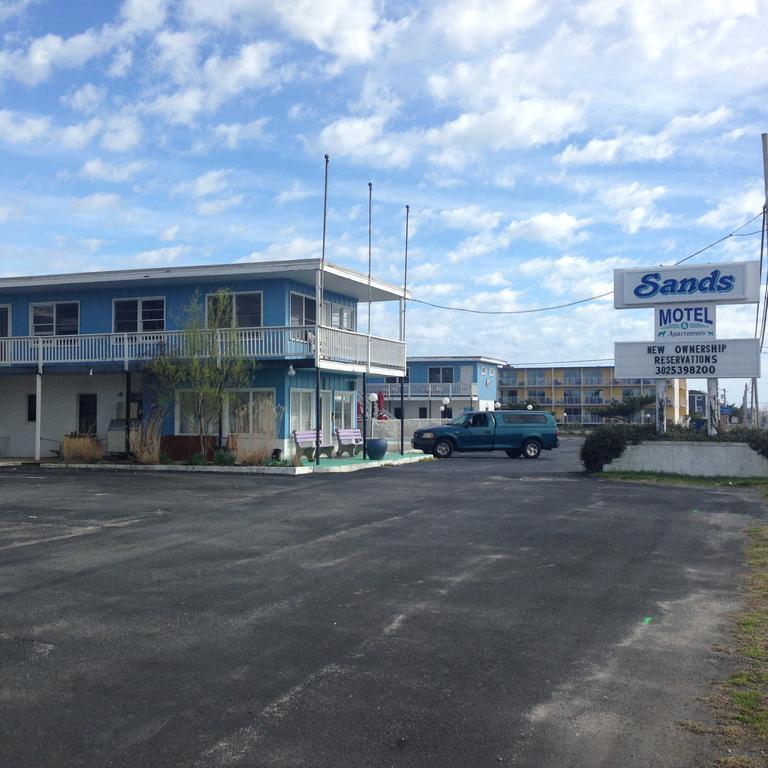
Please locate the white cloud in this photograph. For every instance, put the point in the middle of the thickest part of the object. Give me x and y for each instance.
(559, 229)
(471, 25)
(215, 207)
(735, 208)
(168, 235)
(347, 29)
(470, 217)
(92, 244)
(363, 139)
(298, 248)
(143, 15)
(15, 129)
(636, 206)
(123, 132)
(113, 172)
(8, 212)
(86, 99)
(629, 147)
(161, 255)
(79, 135)
(210, 183)
(233, 134)
(97, 202)
(571, 275)
(218, 80)
(121, 63)
(296, 192)
(9, 8)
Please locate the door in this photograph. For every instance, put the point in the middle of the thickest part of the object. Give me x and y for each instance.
(5, 332)
(478, 434)
(86, 415)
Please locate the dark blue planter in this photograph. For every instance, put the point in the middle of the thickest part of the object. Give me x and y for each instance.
(376, 448)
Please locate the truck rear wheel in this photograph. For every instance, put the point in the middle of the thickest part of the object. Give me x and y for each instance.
(531, 449)
(443, 449)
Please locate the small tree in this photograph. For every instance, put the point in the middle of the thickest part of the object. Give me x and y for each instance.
(208, 361)
(623, 410)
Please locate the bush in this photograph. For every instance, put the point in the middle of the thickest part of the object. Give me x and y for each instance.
(198, 459)
(223, 458)
(85, 448)
(258, 457)
(608, 443)
(145, 440)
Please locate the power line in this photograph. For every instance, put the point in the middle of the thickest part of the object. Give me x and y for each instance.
(578, 301)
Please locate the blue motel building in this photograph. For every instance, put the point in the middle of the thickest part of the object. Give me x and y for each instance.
(74, 349)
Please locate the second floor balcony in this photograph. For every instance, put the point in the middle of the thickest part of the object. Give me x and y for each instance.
(333, 348)
(422, 391)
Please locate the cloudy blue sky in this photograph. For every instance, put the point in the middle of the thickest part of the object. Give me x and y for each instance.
(539, 145)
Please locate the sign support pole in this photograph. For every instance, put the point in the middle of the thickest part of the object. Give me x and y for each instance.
(661, 405)
(713, 407)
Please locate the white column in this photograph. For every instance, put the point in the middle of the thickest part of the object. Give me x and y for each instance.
(713, 407)
(38, 414)
(661, 405)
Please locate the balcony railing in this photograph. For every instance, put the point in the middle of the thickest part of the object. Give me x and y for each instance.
(265, 343)
(422, 391)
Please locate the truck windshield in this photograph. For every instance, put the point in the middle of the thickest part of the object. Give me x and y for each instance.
(459, 420)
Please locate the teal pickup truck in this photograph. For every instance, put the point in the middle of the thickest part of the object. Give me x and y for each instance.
(518, 433)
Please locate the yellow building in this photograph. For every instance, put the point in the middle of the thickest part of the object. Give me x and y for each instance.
(570, 393)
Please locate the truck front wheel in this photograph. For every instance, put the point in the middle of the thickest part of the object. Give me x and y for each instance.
(531, 449)
(443, 449)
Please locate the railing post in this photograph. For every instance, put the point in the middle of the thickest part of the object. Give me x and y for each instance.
(125, 351)
(218, 347)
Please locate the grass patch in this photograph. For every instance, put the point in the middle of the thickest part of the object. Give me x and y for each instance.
(744, 700)
(662, 478)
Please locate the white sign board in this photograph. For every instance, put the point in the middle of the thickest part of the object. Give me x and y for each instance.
(723, 358)
(688, 322)
(728, 283)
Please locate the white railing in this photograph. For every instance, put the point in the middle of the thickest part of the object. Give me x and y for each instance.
(422, 391)
(266, 343)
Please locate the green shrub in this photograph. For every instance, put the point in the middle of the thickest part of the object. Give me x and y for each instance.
(224, 458)
(198, 460)
(608, 442)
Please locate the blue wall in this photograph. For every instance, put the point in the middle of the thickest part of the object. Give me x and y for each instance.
(96, 302)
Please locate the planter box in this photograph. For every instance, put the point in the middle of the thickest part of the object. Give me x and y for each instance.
(375, 448)
(691, 458)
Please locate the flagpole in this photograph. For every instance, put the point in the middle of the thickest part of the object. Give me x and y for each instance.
(402, 335)
(318, 319)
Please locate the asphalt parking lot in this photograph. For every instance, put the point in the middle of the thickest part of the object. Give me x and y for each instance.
(478, 611)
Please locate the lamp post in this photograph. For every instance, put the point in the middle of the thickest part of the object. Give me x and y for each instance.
(565, 421)
(496, 405)
(373, 398)
(444, 407)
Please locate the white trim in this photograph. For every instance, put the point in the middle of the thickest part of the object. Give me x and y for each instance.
(139, 322)
(34, 304)
(300, 269)
(234, 294)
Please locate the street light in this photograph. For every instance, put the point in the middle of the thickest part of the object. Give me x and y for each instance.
(565, 421)
(373, 398)
(496, 405)
(444, 407)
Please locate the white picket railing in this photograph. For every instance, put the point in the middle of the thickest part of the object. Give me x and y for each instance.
(421, 390)
(265, 343)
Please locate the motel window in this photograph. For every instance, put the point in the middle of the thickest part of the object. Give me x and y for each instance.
(56, 319)
(343, 410)
(32, 408)
(440, 375)
(339, 316)
(234, 310)
(186, 420)
(252, 412)
(422, 413)
(303, 310)
(302, 409)
(138, 315)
